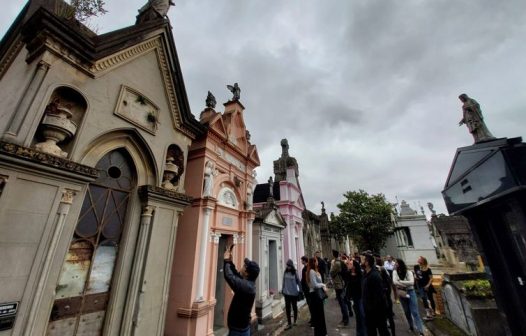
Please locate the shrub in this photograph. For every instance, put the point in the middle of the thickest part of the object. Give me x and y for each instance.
(477, 289)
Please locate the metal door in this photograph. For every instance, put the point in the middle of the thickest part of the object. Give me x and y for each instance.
(84, 286)
(219, 313)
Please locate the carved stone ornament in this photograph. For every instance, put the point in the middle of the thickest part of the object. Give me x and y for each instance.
(137, 109)
(214, 237)
(32, 155)
(57, 126)
(67, 196)
(147, 192)
(170, 172)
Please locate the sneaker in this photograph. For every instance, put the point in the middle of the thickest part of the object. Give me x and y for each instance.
(288, 327)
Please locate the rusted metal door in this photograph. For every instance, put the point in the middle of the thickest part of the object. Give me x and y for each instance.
(84, 286)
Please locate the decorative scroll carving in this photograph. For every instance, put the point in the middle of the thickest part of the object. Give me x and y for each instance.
(238, 238)
(32, 155)
(67, 196)
(214, 237)
(147, 210)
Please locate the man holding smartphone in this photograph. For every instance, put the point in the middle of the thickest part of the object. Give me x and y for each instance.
(244, 287)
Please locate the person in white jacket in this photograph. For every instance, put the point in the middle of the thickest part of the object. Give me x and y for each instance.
(404, 281)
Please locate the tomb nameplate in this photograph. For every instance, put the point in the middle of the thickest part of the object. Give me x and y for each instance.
(137, 109)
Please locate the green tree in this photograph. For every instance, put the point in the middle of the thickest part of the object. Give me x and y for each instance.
(82, 10)
(366, 219)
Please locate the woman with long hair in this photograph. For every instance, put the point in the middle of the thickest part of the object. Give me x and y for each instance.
(405, 283)
(424, 277)
(354, 293)
(314, 281)
(290, 290)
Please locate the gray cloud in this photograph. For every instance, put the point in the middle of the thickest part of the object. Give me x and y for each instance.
(365, 91)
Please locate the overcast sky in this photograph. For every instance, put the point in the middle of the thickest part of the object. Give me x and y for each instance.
(365, 91)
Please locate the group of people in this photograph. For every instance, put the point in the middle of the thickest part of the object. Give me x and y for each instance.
(364, 285)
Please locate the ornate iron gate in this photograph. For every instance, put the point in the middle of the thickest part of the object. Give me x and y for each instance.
(84, 286)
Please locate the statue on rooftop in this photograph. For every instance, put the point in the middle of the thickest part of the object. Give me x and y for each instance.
(236, 91)
(155, 9)
(210, 100)
(472, 117)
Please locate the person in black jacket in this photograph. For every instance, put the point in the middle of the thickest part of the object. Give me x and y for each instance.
(373, 299)
(322, 265)
(244, 288)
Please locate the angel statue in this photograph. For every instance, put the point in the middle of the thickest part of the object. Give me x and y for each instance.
(154, 9)
(236, 91)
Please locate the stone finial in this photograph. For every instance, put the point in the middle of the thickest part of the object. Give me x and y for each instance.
(57, 126)
(170, 173)
(210, 100)
(472, 117)
(236, 91)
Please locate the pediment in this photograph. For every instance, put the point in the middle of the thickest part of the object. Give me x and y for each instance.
(236, 130)
(274, 218)
(218, 126)
(41, 30)
(253, 154)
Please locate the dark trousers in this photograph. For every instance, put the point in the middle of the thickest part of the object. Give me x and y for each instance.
(291, 301)
(309, 304)
(390, 315)
(428, 295)
(340, 296)
(318, 315)
(375, 323)
(360, 318)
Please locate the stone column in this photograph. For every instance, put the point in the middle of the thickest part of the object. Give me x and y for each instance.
(202, 256)
(60, 220)
(136, 280)
(249, 239)
(28, 96)
(214, 257)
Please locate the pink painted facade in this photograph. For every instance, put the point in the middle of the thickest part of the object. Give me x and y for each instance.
(291, 206)
(220, 178)
(289, 199)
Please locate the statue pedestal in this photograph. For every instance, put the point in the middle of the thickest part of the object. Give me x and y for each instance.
(487, 185)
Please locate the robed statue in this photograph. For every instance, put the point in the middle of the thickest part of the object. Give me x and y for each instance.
(154, 9)
(472, 117)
